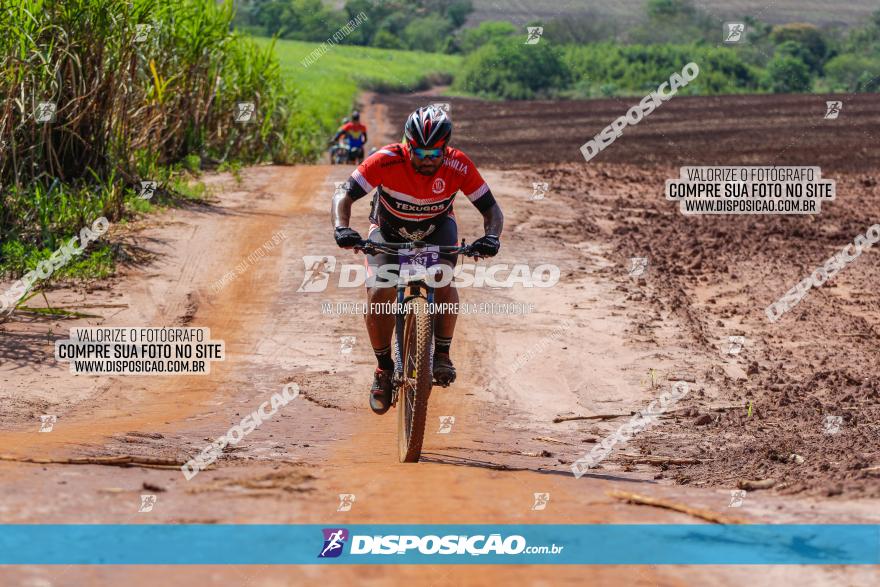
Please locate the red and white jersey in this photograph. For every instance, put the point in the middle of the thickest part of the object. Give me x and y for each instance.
(411, 204)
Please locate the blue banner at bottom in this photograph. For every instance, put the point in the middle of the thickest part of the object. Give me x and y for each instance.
(600, 544)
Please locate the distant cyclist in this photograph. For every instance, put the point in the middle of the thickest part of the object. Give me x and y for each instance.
(356, 135)
(416, 182)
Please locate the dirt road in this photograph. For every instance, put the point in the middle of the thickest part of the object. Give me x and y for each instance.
(583, 350)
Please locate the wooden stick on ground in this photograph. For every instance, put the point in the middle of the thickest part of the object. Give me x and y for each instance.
(753, 485)
(710, 409)
(550, 440)
(559, 419)
(120, 461)
(658, 460)
(707, 515)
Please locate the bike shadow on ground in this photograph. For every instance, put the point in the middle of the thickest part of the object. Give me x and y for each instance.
(445, 459)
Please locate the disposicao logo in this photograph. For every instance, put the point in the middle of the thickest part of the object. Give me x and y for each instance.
(334, 540)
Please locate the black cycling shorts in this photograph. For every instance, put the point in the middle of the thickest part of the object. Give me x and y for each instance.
(446, 234)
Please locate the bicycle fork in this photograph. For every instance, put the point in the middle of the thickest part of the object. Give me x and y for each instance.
(404, 296)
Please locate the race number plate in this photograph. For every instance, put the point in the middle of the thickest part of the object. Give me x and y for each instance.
(416, 264)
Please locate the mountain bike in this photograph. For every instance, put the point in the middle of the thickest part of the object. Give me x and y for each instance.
(339, 154)
(413, 337)
(342, 153)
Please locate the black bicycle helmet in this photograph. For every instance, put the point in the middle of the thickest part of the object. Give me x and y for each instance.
(355, 116)
(427, 128)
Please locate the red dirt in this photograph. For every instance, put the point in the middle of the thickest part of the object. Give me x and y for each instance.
(718, 273)
(719, 130)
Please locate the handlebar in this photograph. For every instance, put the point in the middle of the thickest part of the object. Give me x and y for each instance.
(371, 247)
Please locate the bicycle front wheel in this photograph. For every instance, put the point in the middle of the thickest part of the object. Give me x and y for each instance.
(415, 389)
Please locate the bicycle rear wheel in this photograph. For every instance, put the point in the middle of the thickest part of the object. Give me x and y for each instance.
(415, 388)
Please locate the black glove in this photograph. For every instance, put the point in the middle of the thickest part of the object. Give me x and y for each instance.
(346, 237)
(486, 246)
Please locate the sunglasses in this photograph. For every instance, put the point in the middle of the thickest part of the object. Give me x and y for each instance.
(428, 153)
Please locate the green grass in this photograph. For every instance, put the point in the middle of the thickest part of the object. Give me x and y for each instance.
(96, 262)
(327, 89)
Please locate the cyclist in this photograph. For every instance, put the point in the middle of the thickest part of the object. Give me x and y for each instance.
(416, 182)
(356, 135)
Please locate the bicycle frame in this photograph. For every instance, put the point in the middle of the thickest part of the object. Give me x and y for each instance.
(414, 325)
(408, 290)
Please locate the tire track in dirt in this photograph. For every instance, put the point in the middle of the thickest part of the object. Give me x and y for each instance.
(174, 399)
